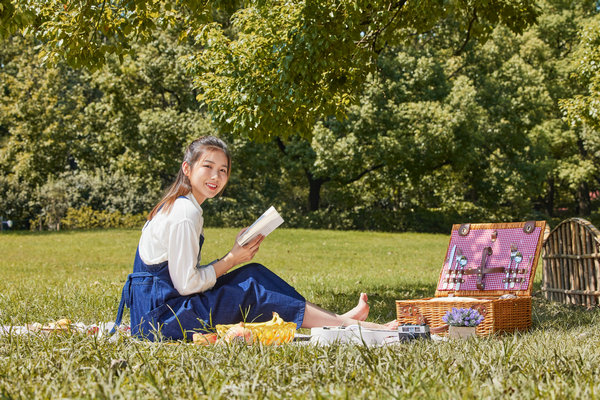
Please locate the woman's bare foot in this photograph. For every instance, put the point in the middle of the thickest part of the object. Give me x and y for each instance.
(315, 316)
(361, 311)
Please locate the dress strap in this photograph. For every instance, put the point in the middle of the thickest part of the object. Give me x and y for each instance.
(125, 297)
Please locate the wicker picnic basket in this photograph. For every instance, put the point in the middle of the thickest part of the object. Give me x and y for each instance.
(489, 280)
(273, 332)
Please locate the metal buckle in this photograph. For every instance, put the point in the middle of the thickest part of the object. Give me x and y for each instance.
(529, 227)
(464, 229)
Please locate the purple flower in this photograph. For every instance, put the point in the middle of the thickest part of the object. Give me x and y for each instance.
(462, 317)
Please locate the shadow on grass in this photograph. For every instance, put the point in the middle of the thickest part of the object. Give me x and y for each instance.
(548, 314)
(553, 315)
(382, 299)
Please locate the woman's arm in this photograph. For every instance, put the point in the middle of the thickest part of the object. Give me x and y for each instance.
(182, 253)
(187, 276)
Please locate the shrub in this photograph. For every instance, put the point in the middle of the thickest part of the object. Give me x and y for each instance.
(88, 218)
(121, 198)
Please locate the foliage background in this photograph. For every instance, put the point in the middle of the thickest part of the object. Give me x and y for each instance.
(440, 128)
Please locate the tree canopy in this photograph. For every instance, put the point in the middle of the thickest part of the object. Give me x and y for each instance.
(264, 69)
(584, 107)
(438, 128)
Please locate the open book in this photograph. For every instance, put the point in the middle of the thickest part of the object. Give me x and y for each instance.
(264, 225)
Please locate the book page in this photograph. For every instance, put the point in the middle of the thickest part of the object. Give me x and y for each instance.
(264, 225)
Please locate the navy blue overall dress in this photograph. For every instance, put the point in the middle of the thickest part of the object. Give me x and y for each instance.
(250, 293)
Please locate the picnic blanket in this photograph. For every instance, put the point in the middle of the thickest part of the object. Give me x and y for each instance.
(63, 325)
(104, 329)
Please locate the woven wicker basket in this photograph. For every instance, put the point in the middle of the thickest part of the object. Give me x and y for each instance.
(273, 332)
(500, 314)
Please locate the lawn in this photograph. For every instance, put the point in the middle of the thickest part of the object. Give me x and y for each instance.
(79, 275)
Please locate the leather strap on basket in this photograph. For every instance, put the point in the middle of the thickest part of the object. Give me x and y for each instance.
(494, 270)
(482, 270)
(439, 329)
(487, 251)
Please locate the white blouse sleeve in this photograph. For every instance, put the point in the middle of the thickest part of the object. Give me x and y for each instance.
(187, 276)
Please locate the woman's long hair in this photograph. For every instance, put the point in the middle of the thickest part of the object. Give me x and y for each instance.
(182, 186)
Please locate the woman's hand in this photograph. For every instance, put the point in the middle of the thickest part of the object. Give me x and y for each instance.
(238, 254)
(245, 253)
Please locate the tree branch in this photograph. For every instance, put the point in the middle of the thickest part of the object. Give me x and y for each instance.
(280, 145)
(372, 37)
(363, 173)
(471, 22)
(456, 71)
(98, 21)
(440, 165)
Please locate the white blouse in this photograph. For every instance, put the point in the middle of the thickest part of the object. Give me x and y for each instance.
(175, 237)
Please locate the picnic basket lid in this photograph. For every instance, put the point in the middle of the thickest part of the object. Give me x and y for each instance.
(491, 251)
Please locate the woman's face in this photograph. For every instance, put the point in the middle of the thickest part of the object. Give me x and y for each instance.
(208, 176)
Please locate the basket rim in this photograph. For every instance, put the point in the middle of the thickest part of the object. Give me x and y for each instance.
(479, 300)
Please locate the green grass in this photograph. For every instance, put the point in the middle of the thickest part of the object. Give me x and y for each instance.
(78, 275)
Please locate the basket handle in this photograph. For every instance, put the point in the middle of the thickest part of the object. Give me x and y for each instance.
(439, 329)
(480, 308)
(413, 311)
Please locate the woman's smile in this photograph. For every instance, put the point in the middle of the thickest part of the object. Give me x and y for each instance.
(211, 186)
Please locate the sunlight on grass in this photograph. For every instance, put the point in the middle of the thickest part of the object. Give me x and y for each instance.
(79, 275)
(81, 269)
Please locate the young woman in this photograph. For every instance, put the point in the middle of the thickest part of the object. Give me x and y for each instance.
(171, 292)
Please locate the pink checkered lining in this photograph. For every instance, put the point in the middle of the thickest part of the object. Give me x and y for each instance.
(472, 247)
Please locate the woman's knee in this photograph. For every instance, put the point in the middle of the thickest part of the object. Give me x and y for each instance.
(253, 270)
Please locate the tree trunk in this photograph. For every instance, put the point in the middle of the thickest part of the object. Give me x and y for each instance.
(583, 200)
(583, 193)
(314, 191)
(314, 184)
(550, 198)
